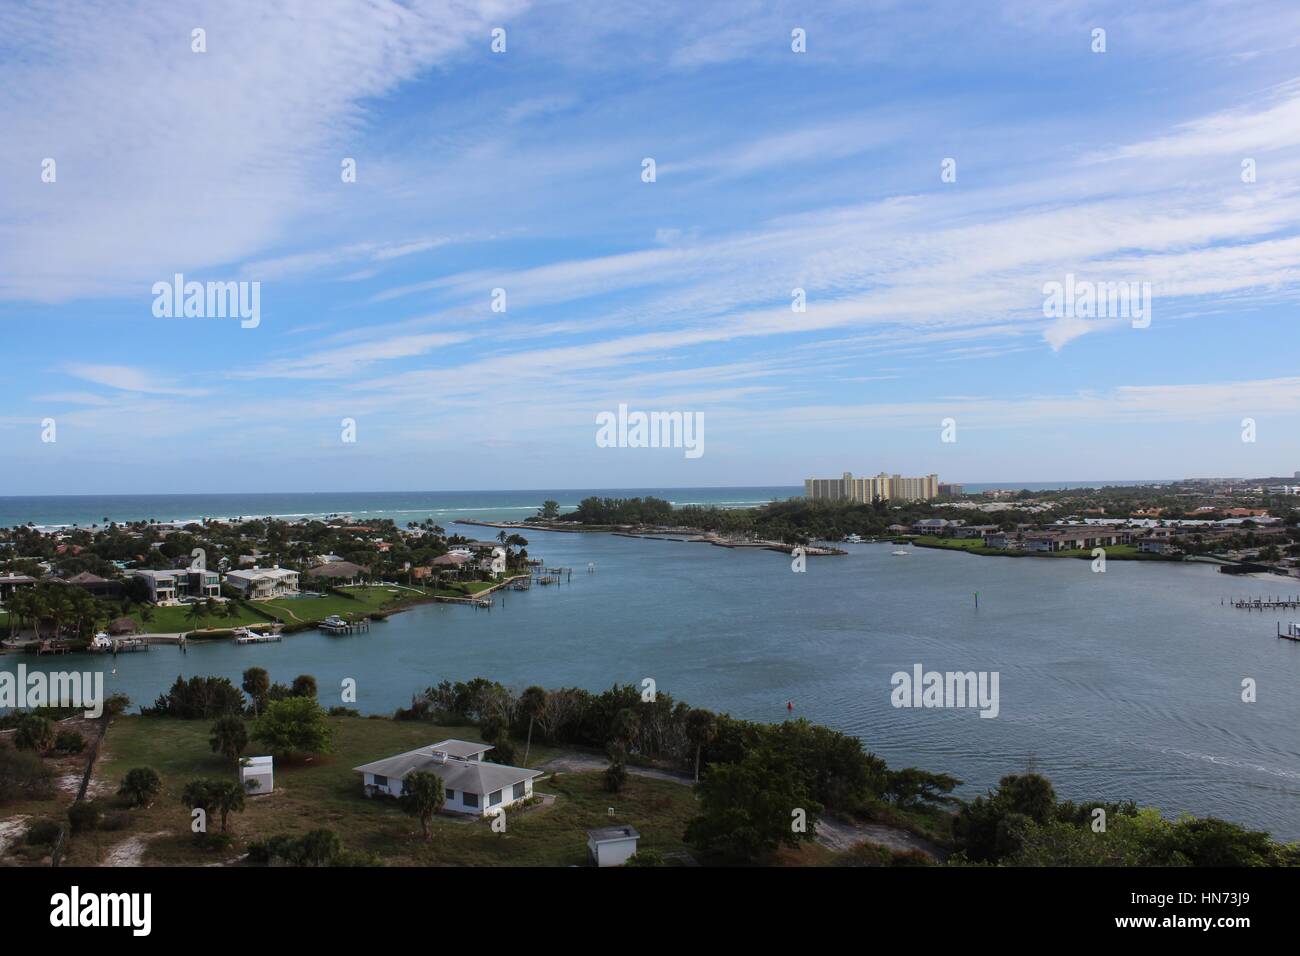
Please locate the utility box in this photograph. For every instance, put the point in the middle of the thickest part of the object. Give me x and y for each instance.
(257, 775)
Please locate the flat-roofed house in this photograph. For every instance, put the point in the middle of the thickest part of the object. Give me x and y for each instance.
(472, 785)
(263, 584)
(168, 587)
(163, 587)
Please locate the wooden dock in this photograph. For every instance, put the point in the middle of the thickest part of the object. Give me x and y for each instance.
(347, 627)
(1267, 604)
(272, 638)
(1292, 632)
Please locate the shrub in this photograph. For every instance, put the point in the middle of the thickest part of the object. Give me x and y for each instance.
(23, 775)
(140, 786)
(34, 733)
(42, 832)
(69, 742)
(83, 816)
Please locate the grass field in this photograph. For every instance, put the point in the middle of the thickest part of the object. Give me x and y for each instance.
(364, 600)
(325, 792)
(1114, 552)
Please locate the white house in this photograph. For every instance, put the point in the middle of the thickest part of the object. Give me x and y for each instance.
(262, 584)
(611, 846)
(472, 785)
(257, 775)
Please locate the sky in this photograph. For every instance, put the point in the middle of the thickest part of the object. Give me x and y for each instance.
(922, 171)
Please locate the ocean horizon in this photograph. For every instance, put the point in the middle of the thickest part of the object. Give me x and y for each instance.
(58, 511)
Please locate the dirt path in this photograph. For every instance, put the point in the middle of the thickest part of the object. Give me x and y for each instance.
(130, 852)
(11, 831)
(839, 835)
(587, 763)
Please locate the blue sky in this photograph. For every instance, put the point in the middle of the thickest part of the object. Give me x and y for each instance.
(522, 170)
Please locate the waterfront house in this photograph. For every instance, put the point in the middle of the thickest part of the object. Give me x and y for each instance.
(611, 846)
(338, 573)
(9, 583)
(263, 584)
(169, 587)
(472, 785)
(95, 585)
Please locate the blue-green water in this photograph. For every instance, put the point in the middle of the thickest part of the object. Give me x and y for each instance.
(1119, 685)
(399, 506)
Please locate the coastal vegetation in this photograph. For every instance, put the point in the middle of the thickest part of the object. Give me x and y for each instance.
(763, 794)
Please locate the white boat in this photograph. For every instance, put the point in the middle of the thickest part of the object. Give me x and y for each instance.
(101, 642)
(899, 552)
(334, 621)
(854, 539)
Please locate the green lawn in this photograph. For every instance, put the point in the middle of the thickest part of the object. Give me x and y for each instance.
(174, 620)
(363, 600)
(1115, 552)
(325, 792)
(171, 620)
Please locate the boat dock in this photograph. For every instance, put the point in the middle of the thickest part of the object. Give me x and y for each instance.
(251, 638)
(1292, 632)
(343, 627)
(1267, 604)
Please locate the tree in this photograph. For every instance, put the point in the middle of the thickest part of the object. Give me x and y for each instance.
(532, 702)
(304, 685)
(229, 799)
(257, 685)
(751, 807)
(229, 737)
(422, 796)
(701, 729)
(294, 725)
(222, 797)
(34, 733)
(140, 786)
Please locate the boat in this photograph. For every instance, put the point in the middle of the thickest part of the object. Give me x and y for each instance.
(334, 621)
(100, 642)
(854, 539)
(899, 552)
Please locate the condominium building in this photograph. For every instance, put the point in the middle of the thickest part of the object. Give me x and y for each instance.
(887, 487)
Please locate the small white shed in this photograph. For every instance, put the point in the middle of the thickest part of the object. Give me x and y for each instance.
(611, 846)
(257, 775)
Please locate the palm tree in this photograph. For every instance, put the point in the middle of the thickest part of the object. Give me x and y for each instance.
(701, 730)
(531, 702)
(20, 608)
(229, 737)
(140, 785)
(195, 612)
(422, 796)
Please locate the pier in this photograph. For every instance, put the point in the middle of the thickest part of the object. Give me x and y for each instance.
(1267, 604)
(250, 638)
(343, 627)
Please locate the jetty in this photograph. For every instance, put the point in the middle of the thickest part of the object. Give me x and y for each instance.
(1267, 604)
(1292, 632)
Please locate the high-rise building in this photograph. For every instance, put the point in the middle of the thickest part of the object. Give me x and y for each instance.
(887, 487)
